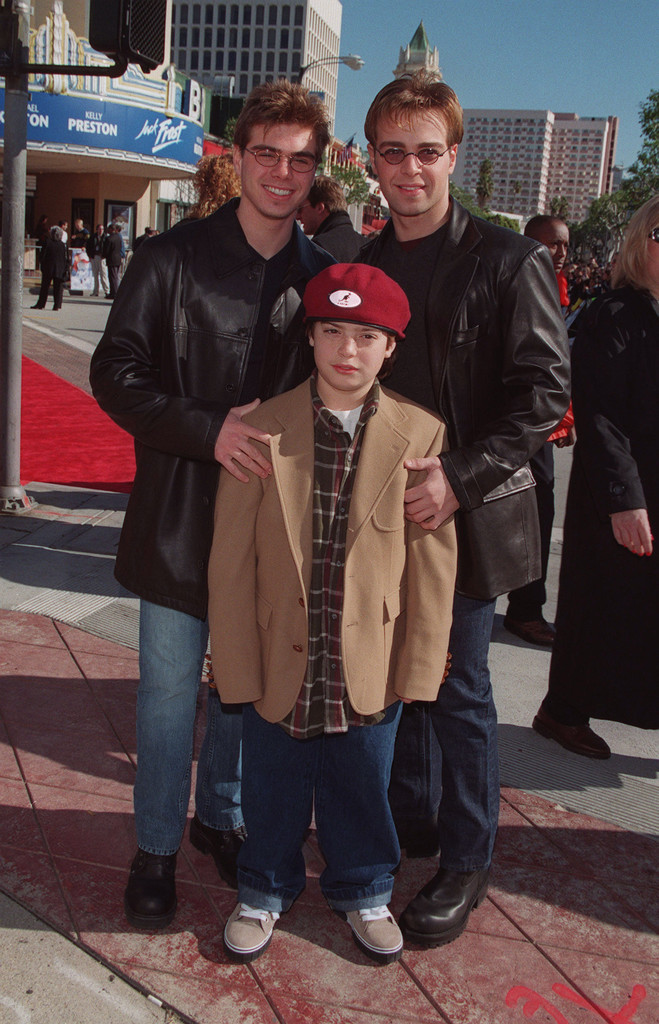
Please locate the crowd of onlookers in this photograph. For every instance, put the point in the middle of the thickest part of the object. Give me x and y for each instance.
(587, 279)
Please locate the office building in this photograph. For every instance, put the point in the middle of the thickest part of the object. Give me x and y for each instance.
(231, 47)
(537, 156)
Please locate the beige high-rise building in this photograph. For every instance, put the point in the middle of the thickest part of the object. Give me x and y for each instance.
(538, 156)
(231, 47)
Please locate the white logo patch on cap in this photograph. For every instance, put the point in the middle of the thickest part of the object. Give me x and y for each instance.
(344, 299)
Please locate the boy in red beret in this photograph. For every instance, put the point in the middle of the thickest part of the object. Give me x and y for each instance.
(320, 619)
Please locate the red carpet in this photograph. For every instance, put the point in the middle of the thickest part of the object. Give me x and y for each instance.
(67, 439)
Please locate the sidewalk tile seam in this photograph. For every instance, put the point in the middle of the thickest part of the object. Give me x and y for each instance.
(424, 991)
(547, 947)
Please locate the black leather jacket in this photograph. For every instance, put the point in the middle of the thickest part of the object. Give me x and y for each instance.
(337, 235)
(168, 369)
(500, 372)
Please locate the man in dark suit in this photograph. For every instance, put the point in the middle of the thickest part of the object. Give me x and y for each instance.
(53, 268)
(324, 216)
(113, 252)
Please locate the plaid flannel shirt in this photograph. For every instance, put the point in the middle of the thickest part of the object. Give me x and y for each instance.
(323, 705)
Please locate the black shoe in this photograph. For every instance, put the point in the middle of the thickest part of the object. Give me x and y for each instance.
(580, 739)
(441, 910)
(536, 631)
(150, 897)
(419, 837)
(37, 306)
(223, 845)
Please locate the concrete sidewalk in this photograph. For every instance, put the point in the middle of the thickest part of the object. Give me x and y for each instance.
(567, 934)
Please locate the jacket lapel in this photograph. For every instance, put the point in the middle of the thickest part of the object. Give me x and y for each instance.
(383, 449)
(292, 457)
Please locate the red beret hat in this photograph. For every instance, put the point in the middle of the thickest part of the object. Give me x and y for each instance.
(358, 294)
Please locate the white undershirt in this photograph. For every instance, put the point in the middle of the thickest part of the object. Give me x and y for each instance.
(349, 418)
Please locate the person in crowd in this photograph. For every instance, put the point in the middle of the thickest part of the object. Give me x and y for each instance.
(64, 228)
(42, 230)
(525, 616)
(207, 321)
(80, 235)
(148, 233)
(41, 233)
(54, 263)
(605, 662)
(215, 182)
(95, 249)
(324, 216)
(113, 253)
(325, 612)
(486, 348)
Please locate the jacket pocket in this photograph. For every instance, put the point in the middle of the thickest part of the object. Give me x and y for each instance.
(521, 480)
(389, 513)
(263, 612)
(395, 603)
(466, 336)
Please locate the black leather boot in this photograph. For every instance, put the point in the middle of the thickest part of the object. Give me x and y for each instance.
(223, 845)
(150, 897)
(441, 910)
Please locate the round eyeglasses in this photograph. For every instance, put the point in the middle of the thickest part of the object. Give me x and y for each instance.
(654, 235)
(267, 157)
(426, 155)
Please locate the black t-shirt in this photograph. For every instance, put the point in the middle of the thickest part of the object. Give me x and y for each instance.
(410, 265)
(274, 273)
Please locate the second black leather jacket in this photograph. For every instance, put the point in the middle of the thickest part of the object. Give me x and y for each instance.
(168, 369)
(500, 373)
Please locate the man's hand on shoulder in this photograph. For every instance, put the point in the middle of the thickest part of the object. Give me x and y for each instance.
(432, 502)
(233, 444)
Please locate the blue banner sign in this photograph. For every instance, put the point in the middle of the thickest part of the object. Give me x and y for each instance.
(105, 125)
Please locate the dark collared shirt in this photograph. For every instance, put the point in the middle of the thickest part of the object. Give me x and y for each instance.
(322, 705)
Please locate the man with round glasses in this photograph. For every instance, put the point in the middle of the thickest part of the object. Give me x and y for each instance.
(486, 348)
(207, 321)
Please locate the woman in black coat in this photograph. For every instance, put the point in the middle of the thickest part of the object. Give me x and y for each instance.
(53, 268)
(605, 661)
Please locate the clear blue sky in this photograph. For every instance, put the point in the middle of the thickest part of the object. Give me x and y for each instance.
(594, 58)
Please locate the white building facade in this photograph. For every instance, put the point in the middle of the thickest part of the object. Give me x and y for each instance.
(538, 155)
(231, 47)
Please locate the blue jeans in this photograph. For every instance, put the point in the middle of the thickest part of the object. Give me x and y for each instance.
(347, 774)
(172, 650)
(446, 759)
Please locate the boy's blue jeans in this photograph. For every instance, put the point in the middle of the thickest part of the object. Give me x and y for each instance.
(347, 775)
(172, 650)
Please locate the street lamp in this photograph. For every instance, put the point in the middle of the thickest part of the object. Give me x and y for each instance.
(351, 60)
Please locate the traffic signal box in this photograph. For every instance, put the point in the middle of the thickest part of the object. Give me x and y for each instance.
(134, 29)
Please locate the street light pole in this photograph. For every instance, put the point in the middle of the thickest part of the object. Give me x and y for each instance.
(351, 60)
(13, 497)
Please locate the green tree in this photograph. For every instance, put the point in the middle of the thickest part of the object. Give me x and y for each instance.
(485, 184)
(228, 130)
(559, 207)
(465, 199)
(354, 183)
(602, 230)
(469, 202)
(642, 181)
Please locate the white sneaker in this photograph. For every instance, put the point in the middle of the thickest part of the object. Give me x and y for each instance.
(247, 933)
(376, 933)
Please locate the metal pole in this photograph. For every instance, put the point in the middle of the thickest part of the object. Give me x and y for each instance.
(12, 496)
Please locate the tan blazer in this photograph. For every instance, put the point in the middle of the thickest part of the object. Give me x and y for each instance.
(399, 578)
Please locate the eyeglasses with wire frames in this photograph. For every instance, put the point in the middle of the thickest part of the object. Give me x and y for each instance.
(268, 157)
(425, 155)
(654, 235)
